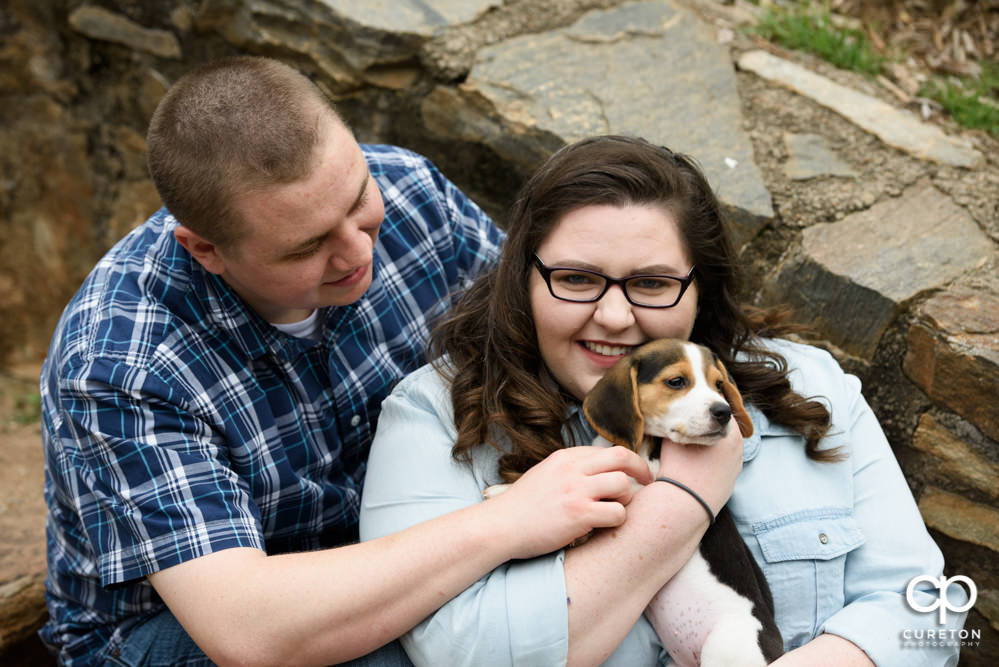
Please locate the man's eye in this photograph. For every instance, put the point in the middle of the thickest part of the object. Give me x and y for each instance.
(308, 252)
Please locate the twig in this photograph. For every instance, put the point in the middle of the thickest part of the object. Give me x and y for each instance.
(893, 89)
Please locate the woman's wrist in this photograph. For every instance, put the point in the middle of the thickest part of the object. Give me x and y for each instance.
(694, 495)
(677, 509)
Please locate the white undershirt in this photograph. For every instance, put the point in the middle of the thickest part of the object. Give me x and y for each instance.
(307, 328)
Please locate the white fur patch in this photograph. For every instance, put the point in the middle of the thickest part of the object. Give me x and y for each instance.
(703, 622)
(688, 418)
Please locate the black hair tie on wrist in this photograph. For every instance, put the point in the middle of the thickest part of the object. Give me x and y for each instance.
(707, 508)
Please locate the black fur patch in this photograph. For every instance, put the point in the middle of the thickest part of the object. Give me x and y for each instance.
(730, 560)
(650, 364)
(611, 416)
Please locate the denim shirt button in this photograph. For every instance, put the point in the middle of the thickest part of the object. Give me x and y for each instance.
(355, 420)
(823, 538)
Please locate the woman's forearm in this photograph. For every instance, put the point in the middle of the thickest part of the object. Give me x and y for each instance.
(826, 649)
(621, 569)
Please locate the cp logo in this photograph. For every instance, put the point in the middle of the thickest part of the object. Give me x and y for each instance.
(941, 603)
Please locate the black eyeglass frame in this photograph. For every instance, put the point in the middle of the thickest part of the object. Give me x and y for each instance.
(546, 274)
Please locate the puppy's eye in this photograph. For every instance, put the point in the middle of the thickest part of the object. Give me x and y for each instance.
(676, 383)
(718, 385)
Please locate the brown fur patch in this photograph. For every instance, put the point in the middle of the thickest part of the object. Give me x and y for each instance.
(655, 396)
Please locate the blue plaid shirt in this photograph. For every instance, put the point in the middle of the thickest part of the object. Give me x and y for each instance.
(178, 423)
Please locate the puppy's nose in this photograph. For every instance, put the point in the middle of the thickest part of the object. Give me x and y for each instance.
(721, 412)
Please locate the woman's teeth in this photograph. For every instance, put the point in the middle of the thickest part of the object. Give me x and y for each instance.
(607, 350)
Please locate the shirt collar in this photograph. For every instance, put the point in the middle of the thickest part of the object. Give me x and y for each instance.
(249, 332)
(762, 426)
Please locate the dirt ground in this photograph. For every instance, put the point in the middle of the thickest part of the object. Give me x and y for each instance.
(22, 505)
(21, 463)
(21, 453)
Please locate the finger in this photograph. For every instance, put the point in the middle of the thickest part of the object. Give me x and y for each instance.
(614, 485)
(606, 514)
(618, 458)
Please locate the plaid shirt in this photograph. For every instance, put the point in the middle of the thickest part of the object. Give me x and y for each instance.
(178, 423)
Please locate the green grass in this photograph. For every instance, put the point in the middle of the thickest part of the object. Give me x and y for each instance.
(804, 27)
(962, 98)
(28, 409)
(807, 29)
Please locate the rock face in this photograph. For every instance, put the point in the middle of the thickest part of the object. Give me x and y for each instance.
(955, 459)
(649, 69)
(98, 23)
(47, 216)
(960, 518)
(811, 157)
(894, 263)
(898, 129)
(953, 354)
(855, 275)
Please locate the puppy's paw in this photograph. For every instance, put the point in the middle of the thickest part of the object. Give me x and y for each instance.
(733, 642)
(494, 490)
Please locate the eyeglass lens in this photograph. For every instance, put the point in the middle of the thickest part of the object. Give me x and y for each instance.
(656, 291)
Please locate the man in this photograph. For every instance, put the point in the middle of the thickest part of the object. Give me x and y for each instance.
(210, 393)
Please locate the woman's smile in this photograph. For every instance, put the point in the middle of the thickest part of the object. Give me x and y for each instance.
(604, 354)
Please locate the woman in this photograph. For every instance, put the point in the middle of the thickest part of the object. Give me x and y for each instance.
(820, 500)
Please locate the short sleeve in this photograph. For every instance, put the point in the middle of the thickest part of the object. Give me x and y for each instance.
(151, 483)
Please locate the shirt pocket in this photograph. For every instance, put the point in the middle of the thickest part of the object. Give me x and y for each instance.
(804, 559)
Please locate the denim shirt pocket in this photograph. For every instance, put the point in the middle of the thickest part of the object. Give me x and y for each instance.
(804, 563)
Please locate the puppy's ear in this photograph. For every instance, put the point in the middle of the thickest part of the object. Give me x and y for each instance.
(734, 398)
(612, 406)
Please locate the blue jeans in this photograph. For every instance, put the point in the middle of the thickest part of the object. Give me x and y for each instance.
(162, 642)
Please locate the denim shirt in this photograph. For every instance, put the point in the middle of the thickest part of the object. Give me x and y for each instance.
(838, 542)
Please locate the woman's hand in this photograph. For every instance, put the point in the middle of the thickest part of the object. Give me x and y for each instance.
(710, 470)
(567, 495)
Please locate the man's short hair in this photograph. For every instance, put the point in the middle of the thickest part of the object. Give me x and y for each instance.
(229, 127)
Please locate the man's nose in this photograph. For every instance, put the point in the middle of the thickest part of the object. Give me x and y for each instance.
(353, 249)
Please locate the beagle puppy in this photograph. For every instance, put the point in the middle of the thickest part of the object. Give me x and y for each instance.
(717, 610)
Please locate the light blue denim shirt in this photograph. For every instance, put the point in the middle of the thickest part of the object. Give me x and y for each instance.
(838, 542)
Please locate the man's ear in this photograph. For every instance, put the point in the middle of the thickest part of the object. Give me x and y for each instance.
(203, 250)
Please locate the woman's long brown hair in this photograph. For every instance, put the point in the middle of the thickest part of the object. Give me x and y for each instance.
(502, 392)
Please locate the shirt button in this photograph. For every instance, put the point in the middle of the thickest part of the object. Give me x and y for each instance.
(823, 538)
(355, 420)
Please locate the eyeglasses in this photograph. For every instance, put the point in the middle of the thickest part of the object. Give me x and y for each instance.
(584, 286)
